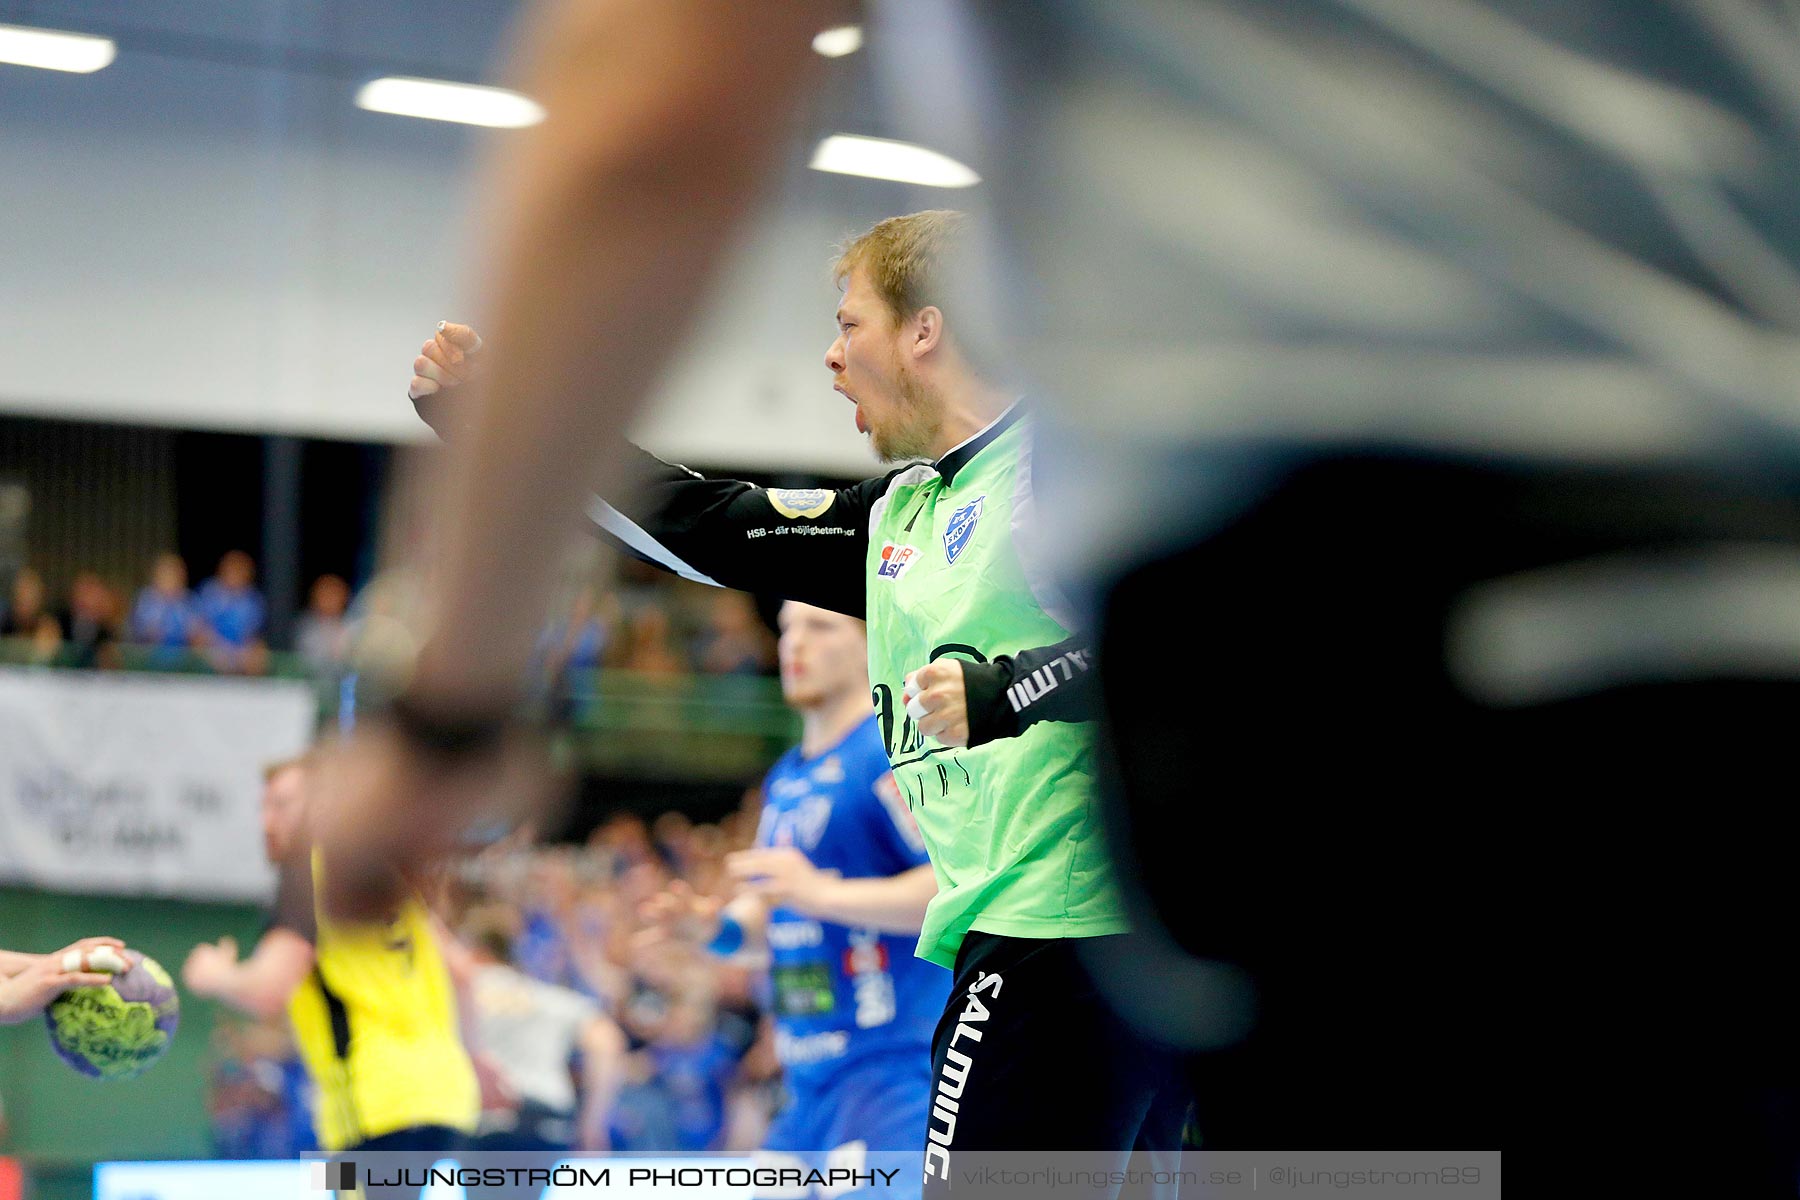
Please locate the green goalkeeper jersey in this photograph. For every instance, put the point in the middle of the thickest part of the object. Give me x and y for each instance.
(937, 559)
(1013, 826)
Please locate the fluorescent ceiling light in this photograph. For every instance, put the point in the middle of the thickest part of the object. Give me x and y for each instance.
(835, 43)
(879, 158)
(54, 50)
(439, 100)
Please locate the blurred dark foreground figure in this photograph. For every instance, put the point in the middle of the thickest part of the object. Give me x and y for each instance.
(1472, 779)
(1431, 451)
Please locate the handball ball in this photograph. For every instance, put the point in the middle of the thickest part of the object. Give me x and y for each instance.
(117, 1030)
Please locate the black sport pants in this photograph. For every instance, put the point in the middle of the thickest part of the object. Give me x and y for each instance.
(1029, 1057)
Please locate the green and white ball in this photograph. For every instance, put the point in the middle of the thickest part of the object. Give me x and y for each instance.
(118, 1030)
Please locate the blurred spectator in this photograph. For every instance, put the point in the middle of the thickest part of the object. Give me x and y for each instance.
(650, 644)
(231, 613)
(258, 1094)
(569, 651)
(163, 616)
(574, 916)
(735, 641)
(600, 920)
(28, 608)
(46, 639)
(675, 1099)
(32, 632)
(674, 838)
(756, 1093)
(323, 637)
(532, 1031)
(93, 627)
(637, 584)
(541, 945)
(694, 1056)
(643, 1118)
(577, 642)
(624, 840)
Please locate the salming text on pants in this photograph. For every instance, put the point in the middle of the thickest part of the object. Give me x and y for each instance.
(1028, 1057)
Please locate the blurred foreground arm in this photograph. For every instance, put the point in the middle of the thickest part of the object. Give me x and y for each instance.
(615, 212)
(606, 226)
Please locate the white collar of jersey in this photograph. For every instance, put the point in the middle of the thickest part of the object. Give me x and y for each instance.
(952, 460)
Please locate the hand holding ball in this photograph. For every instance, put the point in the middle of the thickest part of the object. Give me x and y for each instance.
(120, 1029)
(100, 958)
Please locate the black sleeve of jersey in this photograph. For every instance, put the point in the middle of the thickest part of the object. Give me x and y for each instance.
(810, 546)
(1013, 692)
(294, 896)
(727, 531)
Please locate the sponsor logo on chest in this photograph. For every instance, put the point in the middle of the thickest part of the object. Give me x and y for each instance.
(795, 935)
(794, 815)
(895, 560)
(803, 824)
(866, 963)
(810, 1048)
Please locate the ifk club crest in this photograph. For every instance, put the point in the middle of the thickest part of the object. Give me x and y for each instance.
(962, 528)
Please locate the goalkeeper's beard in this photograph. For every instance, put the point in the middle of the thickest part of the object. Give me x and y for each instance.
(916, 421)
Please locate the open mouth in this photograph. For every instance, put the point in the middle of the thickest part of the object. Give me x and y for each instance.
(862, 426)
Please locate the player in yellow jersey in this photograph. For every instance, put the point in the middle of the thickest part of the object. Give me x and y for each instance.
(372, 1004)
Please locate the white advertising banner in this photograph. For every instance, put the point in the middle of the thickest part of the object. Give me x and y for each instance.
(142, 784)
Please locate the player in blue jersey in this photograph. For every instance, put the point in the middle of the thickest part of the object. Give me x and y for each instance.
(836, 891)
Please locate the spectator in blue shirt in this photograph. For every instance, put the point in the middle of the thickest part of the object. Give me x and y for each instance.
(231, 613)
(569, 652)
(163, 615)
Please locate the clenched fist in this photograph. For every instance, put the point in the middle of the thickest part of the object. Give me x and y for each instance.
(449, 359)
(938, 701)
